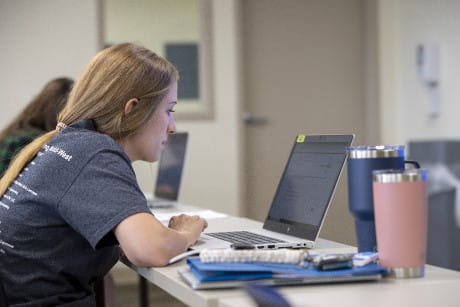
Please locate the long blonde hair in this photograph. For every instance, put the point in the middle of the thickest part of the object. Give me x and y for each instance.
(114, 76)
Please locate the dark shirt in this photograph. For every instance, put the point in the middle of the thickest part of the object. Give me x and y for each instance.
(57, 218)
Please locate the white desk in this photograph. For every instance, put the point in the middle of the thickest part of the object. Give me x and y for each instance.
(439, 287)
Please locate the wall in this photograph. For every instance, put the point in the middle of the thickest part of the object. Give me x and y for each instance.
(214, 176)
(212, 168)
(44, 39)
(404, 100)
(154, 24)
(151, 22)
(41, 40)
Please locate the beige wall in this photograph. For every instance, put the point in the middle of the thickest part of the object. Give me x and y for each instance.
(46, 38)
(404, 100)
(153, 23)
(212, 172)
(41, 40)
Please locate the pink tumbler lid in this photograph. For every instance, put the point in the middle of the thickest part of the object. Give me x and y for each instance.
(396, 175)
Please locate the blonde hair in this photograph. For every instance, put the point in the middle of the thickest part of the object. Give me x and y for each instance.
(114, 76)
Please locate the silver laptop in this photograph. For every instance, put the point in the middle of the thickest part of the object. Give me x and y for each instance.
(170, 167)
(301, 200)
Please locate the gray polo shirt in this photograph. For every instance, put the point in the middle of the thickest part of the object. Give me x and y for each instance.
(56, 219)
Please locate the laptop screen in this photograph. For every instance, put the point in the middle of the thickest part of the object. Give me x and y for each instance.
(307, 185)
(170, 167)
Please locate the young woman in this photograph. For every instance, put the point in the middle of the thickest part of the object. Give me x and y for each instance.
(70, 198)
(38, 117)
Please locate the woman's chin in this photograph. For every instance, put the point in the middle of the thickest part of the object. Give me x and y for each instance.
(153, 158)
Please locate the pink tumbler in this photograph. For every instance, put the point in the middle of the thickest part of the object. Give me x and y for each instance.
(400, 208)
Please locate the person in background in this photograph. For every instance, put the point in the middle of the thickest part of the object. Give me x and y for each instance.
(38, 117)
(70, 202)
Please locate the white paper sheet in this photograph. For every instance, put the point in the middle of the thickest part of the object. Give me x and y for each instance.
(206, 214)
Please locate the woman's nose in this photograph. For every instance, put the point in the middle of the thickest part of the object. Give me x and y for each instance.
(172, 126)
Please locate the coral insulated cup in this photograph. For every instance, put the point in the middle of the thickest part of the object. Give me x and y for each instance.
(400, 209)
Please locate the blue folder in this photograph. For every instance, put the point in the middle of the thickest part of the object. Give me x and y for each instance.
(239, 271)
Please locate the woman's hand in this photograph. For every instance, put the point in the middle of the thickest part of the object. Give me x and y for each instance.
(189, 225)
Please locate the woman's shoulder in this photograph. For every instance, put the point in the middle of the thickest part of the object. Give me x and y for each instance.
(83, 138)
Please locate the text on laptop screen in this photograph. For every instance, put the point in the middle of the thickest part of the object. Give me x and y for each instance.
(308, 181)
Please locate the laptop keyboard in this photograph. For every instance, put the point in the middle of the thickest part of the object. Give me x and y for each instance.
(243, 237)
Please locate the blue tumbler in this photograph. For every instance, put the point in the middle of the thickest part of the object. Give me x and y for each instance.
(362, 160)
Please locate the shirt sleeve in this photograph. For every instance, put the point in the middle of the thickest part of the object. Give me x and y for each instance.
(101, 196)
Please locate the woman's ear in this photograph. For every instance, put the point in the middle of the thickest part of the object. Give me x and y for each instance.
(130, 105)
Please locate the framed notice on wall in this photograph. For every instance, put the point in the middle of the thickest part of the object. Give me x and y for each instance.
(188, 47)
(185, 57)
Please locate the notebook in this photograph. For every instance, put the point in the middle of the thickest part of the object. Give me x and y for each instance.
(170, 167)
(201, 275)
(196, 284)
(301, 201)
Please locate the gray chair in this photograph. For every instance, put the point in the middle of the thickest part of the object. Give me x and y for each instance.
(443, 247)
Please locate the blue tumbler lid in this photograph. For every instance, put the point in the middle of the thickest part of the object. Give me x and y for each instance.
(379, 151)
